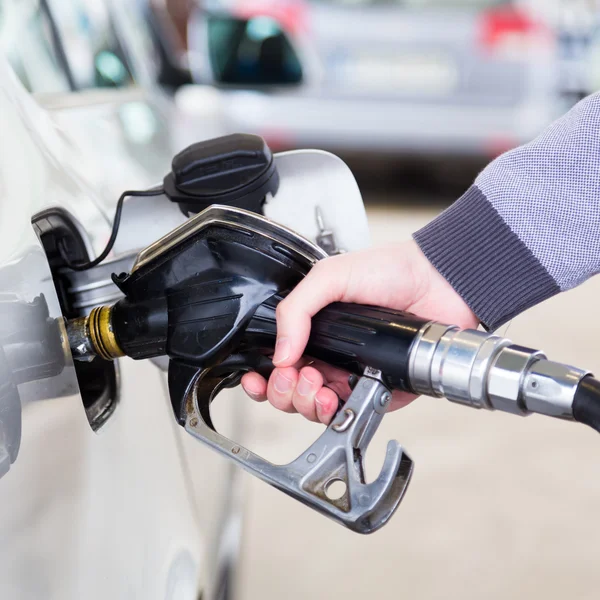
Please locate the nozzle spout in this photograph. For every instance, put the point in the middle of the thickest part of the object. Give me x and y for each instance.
(93, 336)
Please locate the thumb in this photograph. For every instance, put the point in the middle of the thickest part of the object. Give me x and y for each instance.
(325, 283)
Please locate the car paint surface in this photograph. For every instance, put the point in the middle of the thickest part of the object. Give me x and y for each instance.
(85, 514)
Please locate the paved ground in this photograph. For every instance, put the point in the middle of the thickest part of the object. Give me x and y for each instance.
(499, 507)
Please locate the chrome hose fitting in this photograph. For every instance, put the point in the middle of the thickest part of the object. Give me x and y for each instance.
(93, 336)
(483, 370)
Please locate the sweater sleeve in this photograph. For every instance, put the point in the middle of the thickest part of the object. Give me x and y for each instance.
(529, 227)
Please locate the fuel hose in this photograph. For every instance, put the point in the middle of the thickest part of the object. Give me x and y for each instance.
(586, 403)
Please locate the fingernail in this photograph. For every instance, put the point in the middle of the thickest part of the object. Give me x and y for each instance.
(282, 384)
(282, 350)
(252, 394)
(319, 408)
(305, 386)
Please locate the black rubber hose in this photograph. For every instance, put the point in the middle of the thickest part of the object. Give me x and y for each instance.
(113, 235)
(586, 403)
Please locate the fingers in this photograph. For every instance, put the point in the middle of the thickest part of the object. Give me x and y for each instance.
(326, 403)
(302, 391)
(292, 391)
(255, 386)
(324, 284)
(280, 389)
(310, 381)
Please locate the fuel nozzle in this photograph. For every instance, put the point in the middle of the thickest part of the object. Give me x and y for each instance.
(206, 294)
(468, 367)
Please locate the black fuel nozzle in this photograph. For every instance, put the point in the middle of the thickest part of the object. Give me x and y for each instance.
(206, 295)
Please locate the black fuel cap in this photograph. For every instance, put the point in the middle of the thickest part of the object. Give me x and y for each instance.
(234, 170)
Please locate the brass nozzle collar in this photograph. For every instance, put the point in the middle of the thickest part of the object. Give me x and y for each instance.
(101, 333)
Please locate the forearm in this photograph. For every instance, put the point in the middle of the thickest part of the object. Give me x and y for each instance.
(529, 227)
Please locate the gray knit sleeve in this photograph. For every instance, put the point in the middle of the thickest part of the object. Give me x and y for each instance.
(529, 227)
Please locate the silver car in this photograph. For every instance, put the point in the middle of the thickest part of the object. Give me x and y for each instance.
(470, 77)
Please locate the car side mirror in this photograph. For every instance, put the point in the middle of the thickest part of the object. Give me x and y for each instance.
(246, 52)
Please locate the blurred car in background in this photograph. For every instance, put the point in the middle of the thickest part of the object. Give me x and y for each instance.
(424, 77)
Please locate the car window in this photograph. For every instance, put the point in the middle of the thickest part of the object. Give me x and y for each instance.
(252, 51)
(26, 41)
(92, 48)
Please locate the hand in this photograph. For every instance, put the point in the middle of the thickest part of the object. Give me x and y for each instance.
(397, 276)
